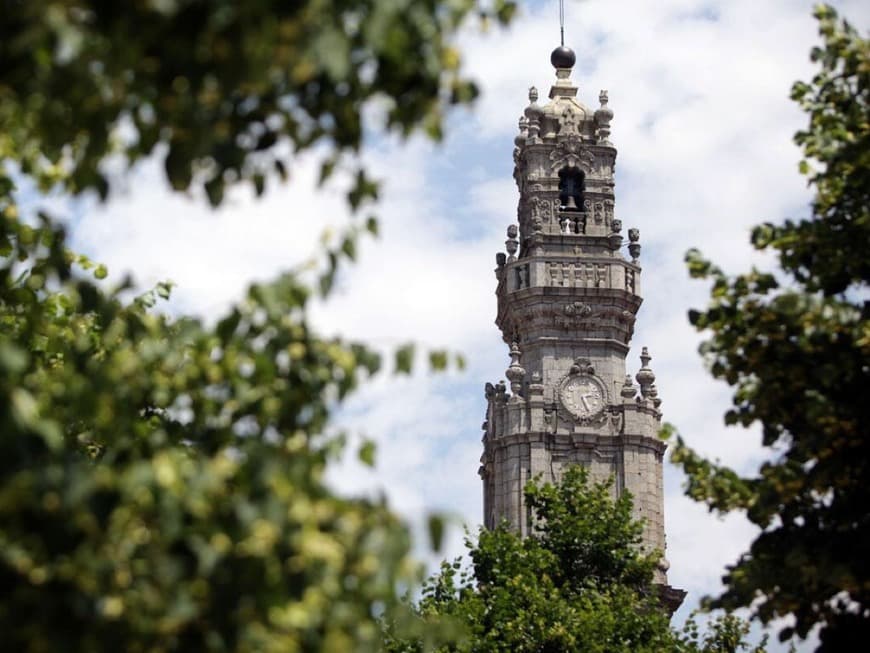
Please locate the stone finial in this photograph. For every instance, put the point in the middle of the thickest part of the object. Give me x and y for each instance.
(563, 58)
(633, 244)
(523, 125)
(534, 111)
(515, 372)
(501, 392)
(654, 395)
(500, 259)
(628, 390)
(645, 358)
(533, 114)
(645, 376)
(614, 238)
(511, 243)
(603, 116)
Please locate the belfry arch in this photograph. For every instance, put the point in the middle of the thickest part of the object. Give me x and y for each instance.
(572, 182)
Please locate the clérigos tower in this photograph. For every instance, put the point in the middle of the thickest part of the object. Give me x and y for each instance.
(568, 295)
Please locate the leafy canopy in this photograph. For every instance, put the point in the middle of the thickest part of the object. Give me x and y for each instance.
(796, 347)
(578, 582)
(232, 91)
(161, 483)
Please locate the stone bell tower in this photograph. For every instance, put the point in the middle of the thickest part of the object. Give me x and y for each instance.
(568, 293)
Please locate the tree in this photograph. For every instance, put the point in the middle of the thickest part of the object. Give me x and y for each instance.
(579, 582)
(725, 634)
(230, 91)
(161, 481)
(795, 344)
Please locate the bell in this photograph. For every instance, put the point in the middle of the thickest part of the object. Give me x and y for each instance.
(570, 204)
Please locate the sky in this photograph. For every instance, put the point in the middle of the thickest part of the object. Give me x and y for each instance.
(703, 126)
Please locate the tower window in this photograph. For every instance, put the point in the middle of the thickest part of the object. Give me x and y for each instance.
(571, 182)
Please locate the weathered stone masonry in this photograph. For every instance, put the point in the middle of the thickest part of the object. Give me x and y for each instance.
(567, 301)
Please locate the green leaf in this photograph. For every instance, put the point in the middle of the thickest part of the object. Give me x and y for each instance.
(259, 184)
(226, 328)
(436, 525)
(367, 453)
(326, 170)
(214, 189)
(281, 169)
(348, 247)
(405, 358)
(438, 360)
(164, 289)
(372, 225)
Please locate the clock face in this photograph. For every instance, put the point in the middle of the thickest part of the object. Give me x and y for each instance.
(582, 396)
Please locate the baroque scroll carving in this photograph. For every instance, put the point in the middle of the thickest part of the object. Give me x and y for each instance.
(570, 153)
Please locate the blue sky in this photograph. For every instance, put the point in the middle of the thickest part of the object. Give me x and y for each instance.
(703, 126)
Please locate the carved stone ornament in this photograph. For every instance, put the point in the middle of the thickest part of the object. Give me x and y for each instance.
(583, 395)
(569, 121)
(579, 309)
(570, 153)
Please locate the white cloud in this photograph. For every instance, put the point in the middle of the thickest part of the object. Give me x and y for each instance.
(703, 125)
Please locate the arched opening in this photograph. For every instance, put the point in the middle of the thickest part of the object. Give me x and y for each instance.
(571, 182)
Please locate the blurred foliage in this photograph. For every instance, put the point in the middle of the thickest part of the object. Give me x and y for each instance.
(232, 90)
(796, 346)
(162, 481)
(577, 583)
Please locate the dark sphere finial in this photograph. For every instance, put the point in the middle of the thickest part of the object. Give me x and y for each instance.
(563, 57)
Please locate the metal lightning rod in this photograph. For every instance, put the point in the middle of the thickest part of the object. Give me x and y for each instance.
(562, 21)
